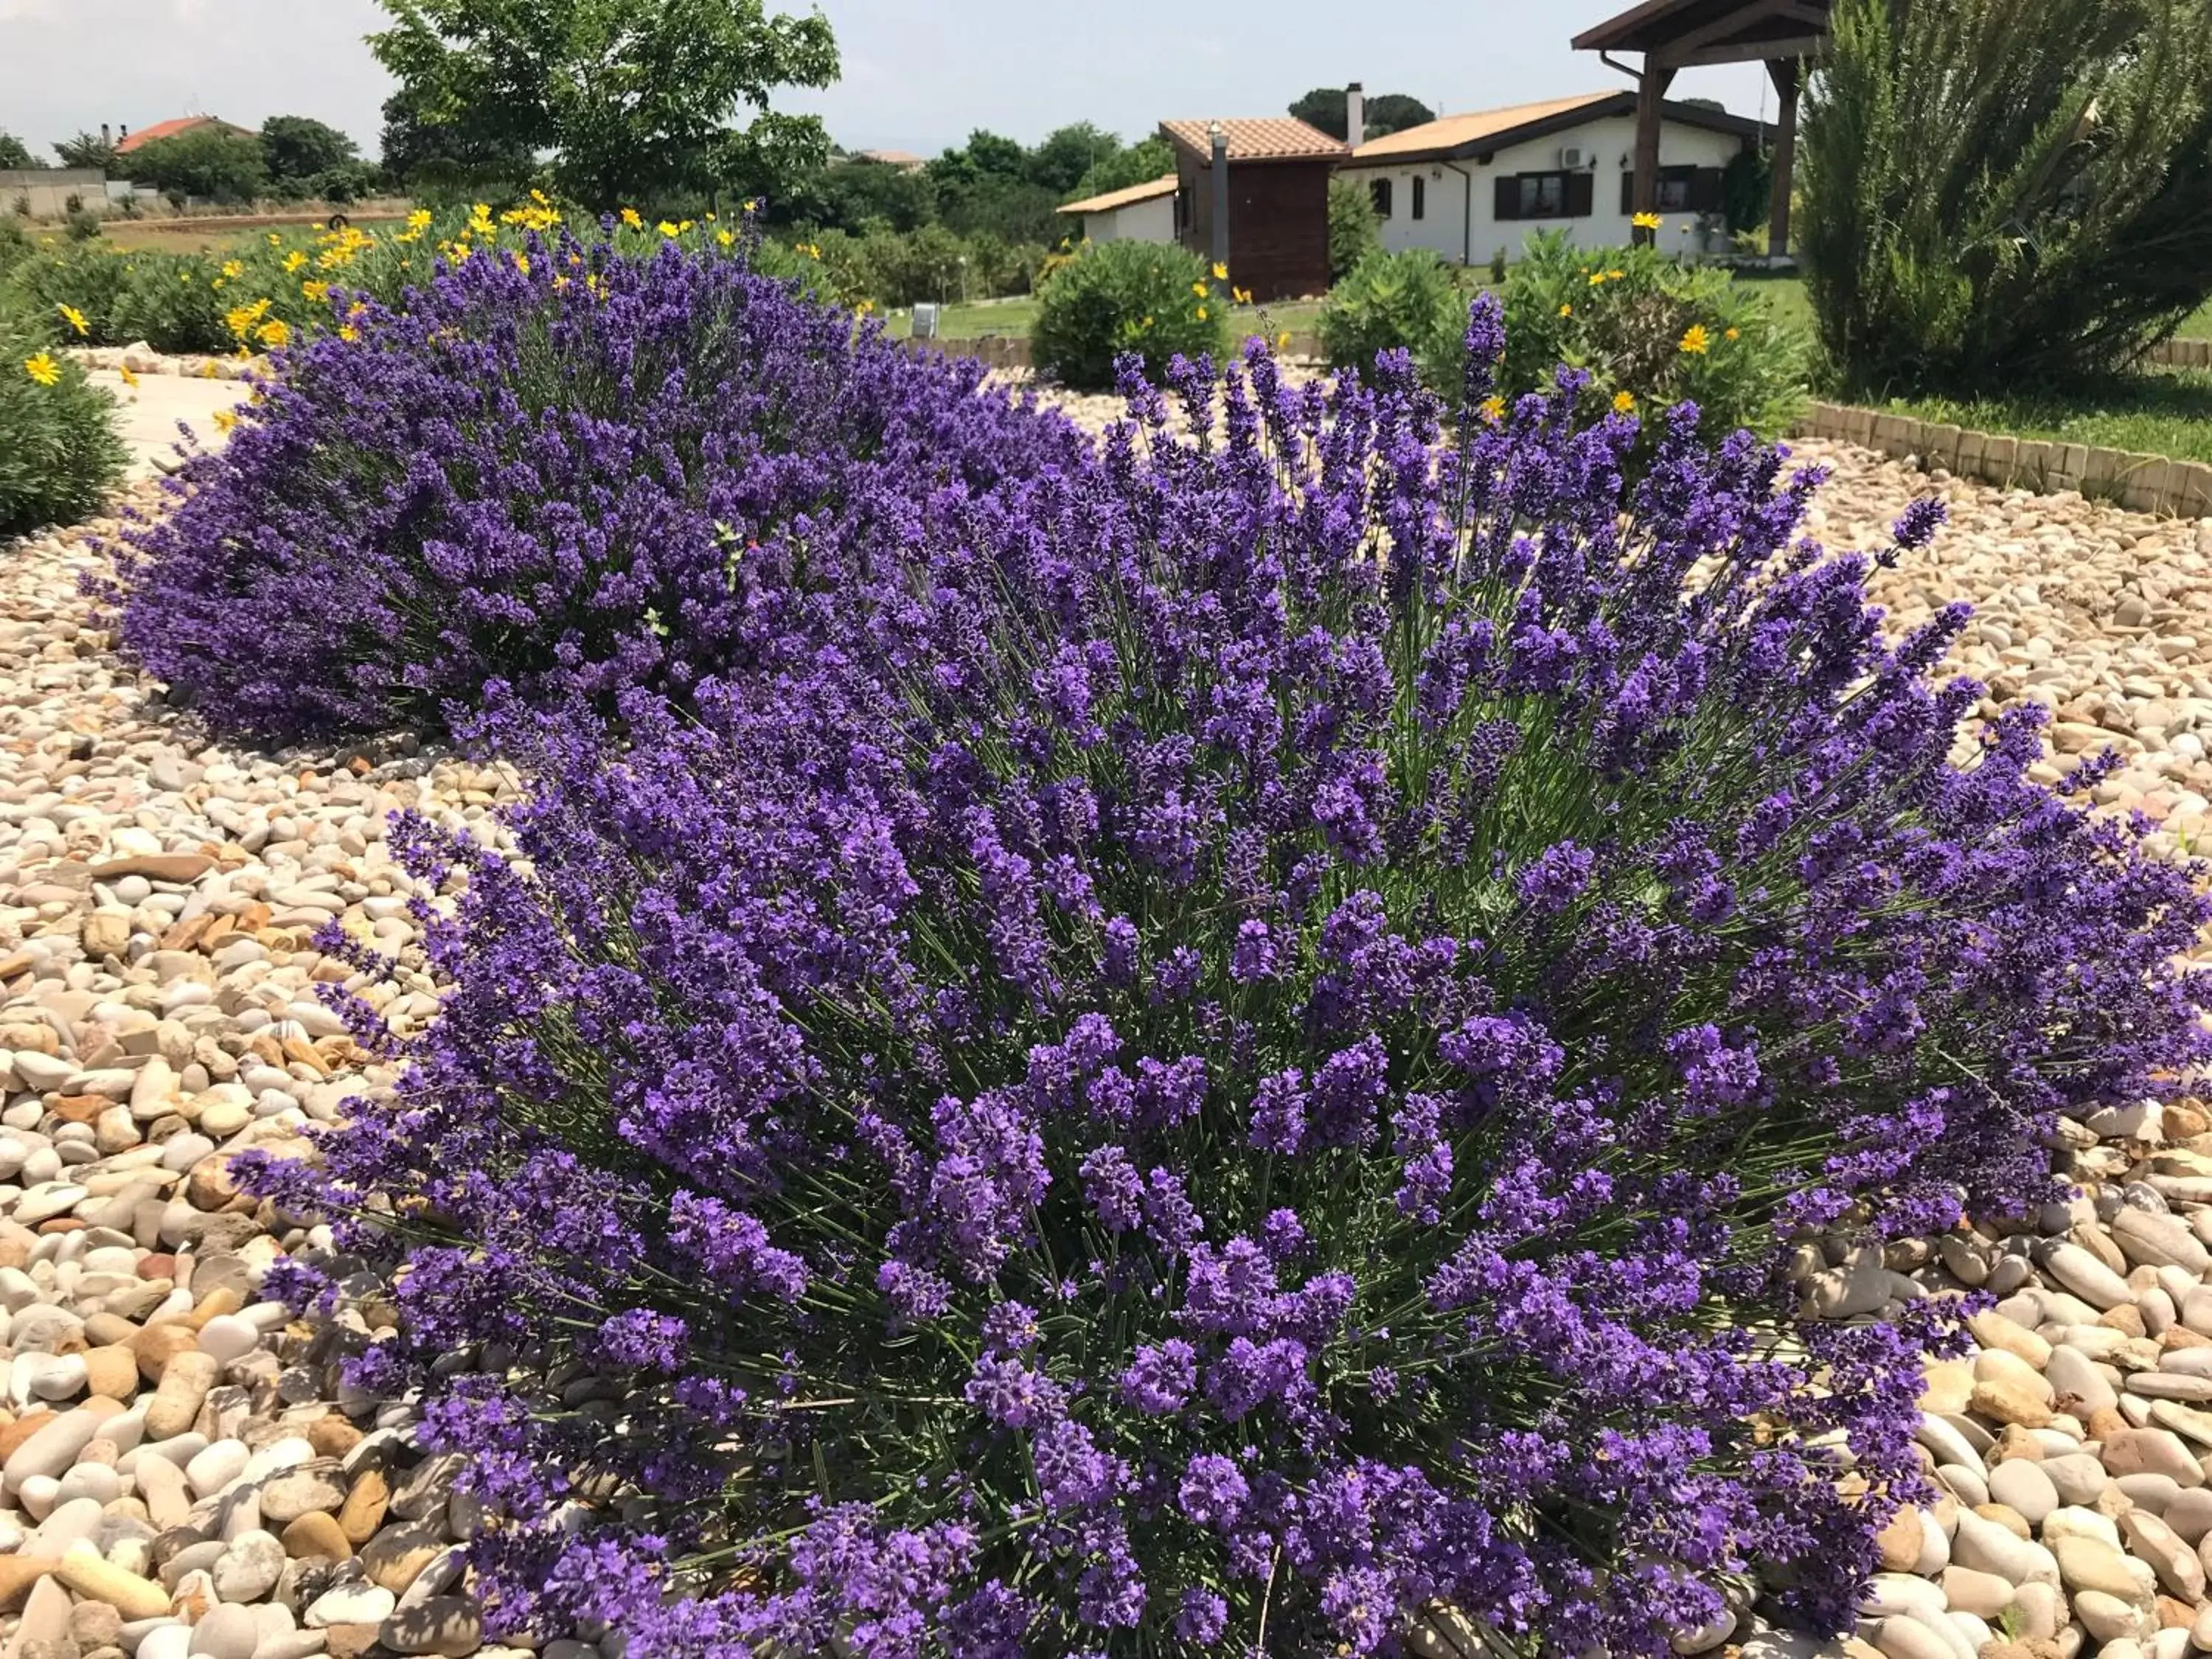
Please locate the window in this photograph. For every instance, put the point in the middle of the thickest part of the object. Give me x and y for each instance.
(1543, 196)
(1420, 198)
(1379, 192)
(1682, 189)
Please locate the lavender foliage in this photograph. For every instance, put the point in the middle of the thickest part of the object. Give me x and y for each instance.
(1232, 1050)
(563, 466)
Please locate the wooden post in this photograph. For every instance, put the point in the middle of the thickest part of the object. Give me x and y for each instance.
(1788, 74)
(1651, 99)
(1220, 180)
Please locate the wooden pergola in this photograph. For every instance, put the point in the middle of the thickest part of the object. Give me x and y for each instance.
(1678, 35)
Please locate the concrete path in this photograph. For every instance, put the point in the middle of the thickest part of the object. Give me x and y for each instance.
(151, 409)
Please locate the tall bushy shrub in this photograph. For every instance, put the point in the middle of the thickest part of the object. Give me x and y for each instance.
(59, 451)
(1998, 192)
(1407, 301)
(1353, 230)
(575, 467)
(1235, 1052)
(1645, 326)
(1114, 299)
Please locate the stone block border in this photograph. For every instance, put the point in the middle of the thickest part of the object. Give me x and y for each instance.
(2182, 354)
(2141, 483)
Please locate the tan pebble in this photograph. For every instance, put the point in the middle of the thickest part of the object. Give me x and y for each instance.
(331, 1436)
(156, 1345)
(317, 1533)
(363, 1510)
(111, 1371)
(126, 1592)
(2002, 1400)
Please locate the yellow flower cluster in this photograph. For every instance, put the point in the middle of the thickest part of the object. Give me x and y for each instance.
(42, 368)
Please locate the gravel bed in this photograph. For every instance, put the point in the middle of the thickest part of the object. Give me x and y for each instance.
(181, 1474)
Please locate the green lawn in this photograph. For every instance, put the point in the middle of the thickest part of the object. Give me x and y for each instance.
(2159, 412)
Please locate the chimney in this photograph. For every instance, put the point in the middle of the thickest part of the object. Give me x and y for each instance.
(121, 133)
(1355, 115)
(104, 139)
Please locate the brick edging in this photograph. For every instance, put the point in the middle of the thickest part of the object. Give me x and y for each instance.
(2141, 483)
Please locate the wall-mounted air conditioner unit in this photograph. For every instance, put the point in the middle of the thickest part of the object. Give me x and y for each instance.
(1574, 157)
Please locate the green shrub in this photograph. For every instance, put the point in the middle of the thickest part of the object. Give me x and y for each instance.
(1408, 300)
(89, 276)
(172, 303)
(1118, 297)
(1999, 195)
(1645, 326)
(1353, 230)
(15, 245)
(59, 453)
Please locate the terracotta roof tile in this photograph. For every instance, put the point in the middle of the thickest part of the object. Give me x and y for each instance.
(1451, 131)
(1268, 139)
(170, 129)
(1124, 197)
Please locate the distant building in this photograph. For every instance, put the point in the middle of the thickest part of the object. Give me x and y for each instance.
(904, 160)
(1468, 186)
(1277, 175)
(176, 128)
(1139, 213)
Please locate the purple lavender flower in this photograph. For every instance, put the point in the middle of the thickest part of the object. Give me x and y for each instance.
(1210, 1025)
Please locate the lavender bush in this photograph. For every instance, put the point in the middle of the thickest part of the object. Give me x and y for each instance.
(1233, 1051)
(562, 465)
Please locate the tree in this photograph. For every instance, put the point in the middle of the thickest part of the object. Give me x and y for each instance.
(435, 157)
(2003, 192)
(1067, 154)
(633, 97)
(1388, 113)
(210, 162)
(298, 147)
(856, 195)
(15, 154)
(986, 188)
(90, 150)
(1139, 164)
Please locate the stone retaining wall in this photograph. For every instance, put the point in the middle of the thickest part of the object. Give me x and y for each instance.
(2141, 483)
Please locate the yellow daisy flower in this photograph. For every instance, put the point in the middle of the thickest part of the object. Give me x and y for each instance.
(1567, 310)
(74, 318)
(724, 238)
(1697, 342)
(1647, 222)
(1220, 273)
(1624, 402)
(41, 367)
(293, 261)
(1199, 288)
(231, 268)
(1493, 409)
(1733, 334)
(629, 217)
(130, 374)
(346, 331)
(318, 292)
(274, 332)
(225, 419)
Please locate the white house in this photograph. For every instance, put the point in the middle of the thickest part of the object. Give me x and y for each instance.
(1141, 213)
(1468, 186)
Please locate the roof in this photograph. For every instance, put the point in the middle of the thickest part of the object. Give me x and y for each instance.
(891, 158)
(1127, 197)
(1453, 131)
(1494, 128)
(183, 123)
(1266, 138)
(1686, 31)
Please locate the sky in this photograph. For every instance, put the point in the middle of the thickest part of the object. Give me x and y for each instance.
(919, 75)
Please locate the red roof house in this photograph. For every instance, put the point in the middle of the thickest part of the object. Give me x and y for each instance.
(176, 128)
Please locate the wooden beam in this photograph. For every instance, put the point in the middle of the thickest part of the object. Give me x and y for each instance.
(1717, 31)
(1789, 75)
(1747, 52)
(1650, 112)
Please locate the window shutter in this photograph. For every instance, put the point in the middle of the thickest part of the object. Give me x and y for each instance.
(1581, 192)
(1708, 194)
(1627, 193)
(1508, 196)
